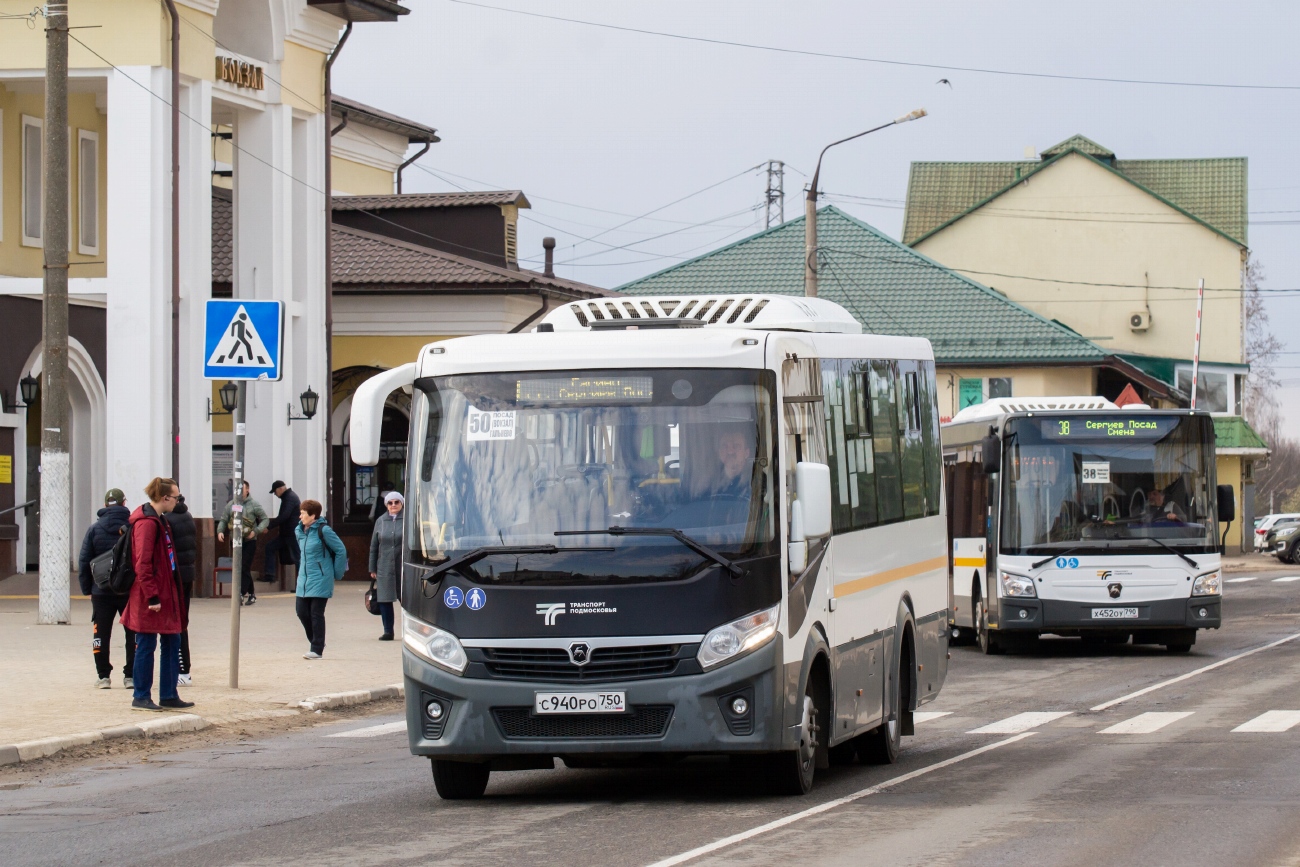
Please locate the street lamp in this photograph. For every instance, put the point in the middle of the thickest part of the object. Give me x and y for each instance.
(29, 386)
(229, 400)
(810, 205)
(309, 399)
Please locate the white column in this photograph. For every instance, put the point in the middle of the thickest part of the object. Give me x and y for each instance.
(138, 282)
(196, 287)
(263, 270)
(306, 323)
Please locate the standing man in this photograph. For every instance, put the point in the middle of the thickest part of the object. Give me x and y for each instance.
(253, 522)
(186, 544)
(104, 604)
(283, 548)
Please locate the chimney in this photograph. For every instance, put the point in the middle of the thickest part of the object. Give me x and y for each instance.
(548, 244)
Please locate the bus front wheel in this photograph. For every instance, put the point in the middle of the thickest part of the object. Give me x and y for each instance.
(988, 642)
(460, 781)
(794, 769)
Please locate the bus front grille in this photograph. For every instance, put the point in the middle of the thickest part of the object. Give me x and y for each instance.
(642, 721)
(607, 663)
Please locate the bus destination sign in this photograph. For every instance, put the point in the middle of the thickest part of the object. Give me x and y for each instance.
(1131, 428)
(586, 389)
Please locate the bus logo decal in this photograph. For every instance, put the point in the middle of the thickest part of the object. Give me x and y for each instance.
(1115, 590)
(550, 611)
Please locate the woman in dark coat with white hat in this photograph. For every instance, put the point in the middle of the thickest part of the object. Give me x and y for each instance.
(386, 559)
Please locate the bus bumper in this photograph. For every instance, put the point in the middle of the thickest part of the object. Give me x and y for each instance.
(1051, 615)
(484, 718)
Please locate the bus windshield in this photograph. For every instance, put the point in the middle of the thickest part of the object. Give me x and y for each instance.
(1109, 482)
(510, 459)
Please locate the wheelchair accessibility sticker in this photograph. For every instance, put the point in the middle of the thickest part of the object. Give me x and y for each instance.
(1067, 562)
(453, 597)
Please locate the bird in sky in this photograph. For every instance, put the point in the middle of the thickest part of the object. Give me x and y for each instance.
(944, 81)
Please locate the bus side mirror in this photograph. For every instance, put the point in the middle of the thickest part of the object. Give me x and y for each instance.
(992, 459)
(813, 489)
(1227, 504)
(368, 412)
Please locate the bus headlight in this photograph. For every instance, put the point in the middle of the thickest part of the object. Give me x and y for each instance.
(1207, 585)
(433, 644)
(738, 638)
(1017, 585)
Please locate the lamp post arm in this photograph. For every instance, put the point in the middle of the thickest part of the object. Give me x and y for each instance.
(812, 188)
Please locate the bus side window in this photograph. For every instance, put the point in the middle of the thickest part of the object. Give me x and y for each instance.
(929, 407)
(884, 417)
(911, 443)
(838, 421)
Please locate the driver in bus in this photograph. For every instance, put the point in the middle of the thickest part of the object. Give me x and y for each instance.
(1159, 509)
(736, 457)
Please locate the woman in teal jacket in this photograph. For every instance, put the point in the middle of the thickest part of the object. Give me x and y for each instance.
(324, 560)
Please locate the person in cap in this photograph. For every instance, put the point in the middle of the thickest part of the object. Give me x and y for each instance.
(283, 548)
(105, 605)
(253, 522)
(386, 559)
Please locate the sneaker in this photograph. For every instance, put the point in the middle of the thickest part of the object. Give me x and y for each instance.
(311, 654)
(128, 682)
(251, 600)
(243, 599)
(387, 636)
(176, 703)
(103, 683)
(184, 680)
(143, 704)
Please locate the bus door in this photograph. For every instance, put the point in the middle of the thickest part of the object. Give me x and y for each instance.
(805, 440)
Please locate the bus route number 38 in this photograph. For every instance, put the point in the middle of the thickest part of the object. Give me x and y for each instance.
(580, 702)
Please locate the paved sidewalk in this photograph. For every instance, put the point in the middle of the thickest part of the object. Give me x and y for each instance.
(48, 672)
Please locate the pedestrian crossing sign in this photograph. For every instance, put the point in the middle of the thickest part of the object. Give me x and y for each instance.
(243, 339)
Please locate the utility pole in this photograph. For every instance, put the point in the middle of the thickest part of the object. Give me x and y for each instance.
(55, 553)
(775, 198)
(236, 531)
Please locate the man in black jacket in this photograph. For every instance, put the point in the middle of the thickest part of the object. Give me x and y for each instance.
(283, 549)
(185, 544)
(105, 605)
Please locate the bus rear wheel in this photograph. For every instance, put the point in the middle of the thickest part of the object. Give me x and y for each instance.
(460, 781)
(989, 643)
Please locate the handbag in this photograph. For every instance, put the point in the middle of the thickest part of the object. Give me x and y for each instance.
(372, 598)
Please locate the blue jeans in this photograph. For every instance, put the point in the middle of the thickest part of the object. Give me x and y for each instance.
(168, 665)
(386, 615)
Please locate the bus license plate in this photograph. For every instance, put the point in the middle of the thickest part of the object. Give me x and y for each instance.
(579, 702)
(1114, 614)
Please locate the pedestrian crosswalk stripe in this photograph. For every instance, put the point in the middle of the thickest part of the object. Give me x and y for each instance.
(1287, 579)
(1242, 580)
(1146, 723)
(1021, 722)
(372, 731)
(927, 715)
(1271, 721)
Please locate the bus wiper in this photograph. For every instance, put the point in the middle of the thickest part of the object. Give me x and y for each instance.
(476, 554)
(1068, 551)
(697, 547)
(1172, 550)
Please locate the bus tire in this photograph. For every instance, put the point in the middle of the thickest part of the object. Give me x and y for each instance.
(460, 781)
(989, 643)
(882, 745)
(793, 770)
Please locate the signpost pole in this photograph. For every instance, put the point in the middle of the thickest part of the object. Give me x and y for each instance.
(1196, 348)
(236, 530)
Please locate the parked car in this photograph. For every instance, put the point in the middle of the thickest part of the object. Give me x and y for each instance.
(1264, 525)
(1285, 537)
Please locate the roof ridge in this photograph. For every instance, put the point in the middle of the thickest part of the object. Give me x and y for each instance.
(711, 253)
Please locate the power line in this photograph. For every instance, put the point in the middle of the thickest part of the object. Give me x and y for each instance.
(878, 60)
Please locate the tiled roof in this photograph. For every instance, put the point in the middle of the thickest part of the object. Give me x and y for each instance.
(1234, 432)
(889, 288)
(1210, 190)
(431, 200)
(366, 262)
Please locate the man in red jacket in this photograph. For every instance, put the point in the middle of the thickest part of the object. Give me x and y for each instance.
(156, 606)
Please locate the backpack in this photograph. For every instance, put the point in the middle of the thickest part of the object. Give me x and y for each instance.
(114, 570)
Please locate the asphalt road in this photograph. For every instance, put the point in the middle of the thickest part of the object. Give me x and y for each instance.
(1173, 783)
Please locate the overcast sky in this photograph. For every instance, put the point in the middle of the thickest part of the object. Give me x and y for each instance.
(598, 126)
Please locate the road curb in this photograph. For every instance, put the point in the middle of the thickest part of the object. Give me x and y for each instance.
(27, 751)
(344, 699)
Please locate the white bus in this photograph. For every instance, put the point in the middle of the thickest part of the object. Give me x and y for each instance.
(1073, 517)
(669, 527)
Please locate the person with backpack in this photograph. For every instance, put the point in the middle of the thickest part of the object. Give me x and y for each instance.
(156, 608)
(185, 540)
(105, 605)
(324, 561)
